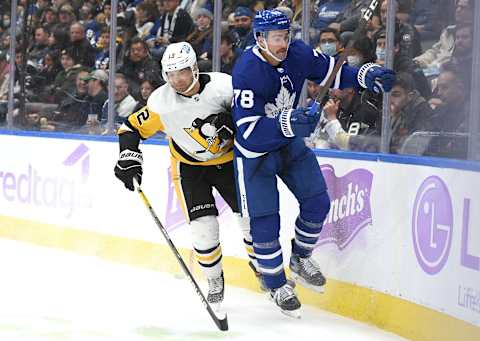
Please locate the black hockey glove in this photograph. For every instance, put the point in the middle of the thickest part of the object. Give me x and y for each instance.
(129, 165)
(224, 124)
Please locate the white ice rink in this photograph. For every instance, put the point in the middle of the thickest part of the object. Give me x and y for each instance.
(48, 294)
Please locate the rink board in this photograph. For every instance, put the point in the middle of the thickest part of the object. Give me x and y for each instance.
(399, 246)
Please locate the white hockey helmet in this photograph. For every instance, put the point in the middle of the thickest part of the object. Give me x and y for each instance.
(178, 56)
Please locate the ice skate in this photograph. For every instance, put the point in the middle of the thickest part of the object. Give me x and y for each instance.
(216, 289)
(286, 299)
(306, 272)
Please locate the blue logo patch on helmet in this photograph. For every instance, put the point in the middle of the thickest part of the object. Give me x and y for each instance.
(270, 20)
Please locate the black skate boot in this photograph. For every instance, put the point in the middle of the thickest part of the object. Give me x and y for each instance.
(259, 277)
(216, 288)
(306, 272)
(286, 299)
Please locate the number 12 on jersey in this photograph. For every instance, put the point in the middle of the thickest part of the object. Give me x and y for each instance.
(246, 98)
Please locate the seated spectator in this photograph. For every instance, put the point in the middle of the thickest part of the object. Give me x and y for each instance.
(45, 79)
(146, 88)
(138, 65)
(49, 18)
(83, 52)
(145, 18)
(174, 25)
(125, 103)
(462, 53)
(4, 76)
(428, 19)
(409, 37)
(451, 102)
(65, 80)
(66, 17)
(102, 57)
(410, 112)
(97, 93)
(347, 20)
(440, 53)
(243, 17)
(72, 112)
(351, 121)
(201, 38)
(229, 54)
(451, 105)
(325, 12)
(58, 40)
(329, 42)
(39, 48)
(401, 62)
(362, 52)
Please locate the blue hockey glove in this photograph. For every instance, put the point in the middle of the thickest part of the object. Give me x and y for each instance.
(376, 78)
(297, 122)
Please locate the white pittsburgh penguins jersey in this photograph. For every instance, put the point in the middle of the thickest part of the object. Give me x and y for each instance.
(187, 121)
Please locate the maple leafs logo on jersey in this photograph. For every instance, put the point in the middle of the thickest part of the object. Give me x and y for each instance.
(283, 101)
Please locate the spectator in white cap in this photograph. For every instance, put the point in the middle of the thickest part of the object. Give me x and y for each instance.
(201, 38)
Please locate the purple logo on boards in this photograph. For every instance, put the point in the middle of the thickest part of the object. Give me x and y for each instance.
(53, 189)
(432, 224)
(75, 157)
(174, 216)
(350, 209)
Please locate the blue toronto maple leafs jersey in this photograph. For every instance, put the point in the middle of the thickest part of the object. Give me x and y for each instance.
(262, 91)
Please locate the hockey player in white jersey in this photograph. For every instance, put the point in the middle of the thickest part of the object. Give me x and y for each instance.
(194, 110)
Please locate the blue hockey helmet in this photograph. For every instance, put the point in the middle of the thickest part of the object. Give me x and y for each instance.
(270, 20)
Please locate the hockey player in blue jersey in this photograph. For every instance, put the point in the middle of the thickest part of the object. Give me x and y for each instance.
(267, 81)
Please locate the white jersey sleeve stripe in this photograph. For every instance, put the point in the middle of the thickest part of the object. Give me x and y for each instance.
(241, 188)
(248, 153)
(331, 65)
(250, 128)
(336, 84)
(246, 120)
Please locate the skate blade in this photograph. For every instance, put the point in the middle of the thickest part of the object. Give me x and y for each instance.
(296, 314)
(303, 283)
(290, 313)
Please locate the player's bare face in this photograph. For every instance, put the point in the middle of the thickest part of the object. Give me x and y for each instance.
(180, 80)
(277, 42)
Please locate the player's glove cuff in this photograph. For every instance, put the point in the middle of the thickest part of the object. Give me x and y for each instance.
(362, 73)
(130, 155)
(285, 124)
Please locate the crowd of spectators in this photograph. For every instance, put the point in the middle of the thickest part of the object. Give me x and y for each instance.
(62, 63)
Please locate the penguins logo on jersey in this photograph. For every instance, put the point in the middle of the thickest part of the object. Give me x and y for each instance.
(205, 134)
(284, 100)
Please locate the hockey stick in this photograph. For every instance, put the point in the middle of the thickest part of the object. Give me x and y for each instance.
(222, 324)
(362, 25)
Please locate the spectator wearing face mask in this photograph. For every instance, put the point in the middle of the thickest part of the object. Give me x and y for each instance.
(243, 17)
(401, 61)
(362, 52)
(329, 42)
